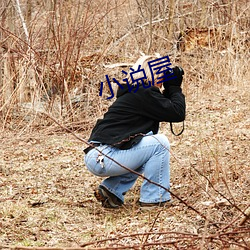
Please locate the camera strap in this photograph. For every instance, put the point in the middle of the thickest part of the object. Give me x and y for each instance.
(172, 130)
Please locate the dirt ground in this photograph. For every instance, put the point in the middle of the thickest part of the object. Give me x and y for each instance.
(46, 193)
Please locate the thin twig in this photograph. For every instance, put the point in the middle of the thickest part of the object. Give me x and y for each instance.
(175, 237)
(128, 169)
(153, 224)
(216, 190)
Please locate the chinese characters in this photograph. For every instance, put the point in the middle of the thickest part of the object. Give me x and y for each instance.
(158, 67)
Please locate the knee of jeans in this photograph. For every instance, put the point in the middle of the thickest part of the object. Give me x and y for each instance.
(163, 141)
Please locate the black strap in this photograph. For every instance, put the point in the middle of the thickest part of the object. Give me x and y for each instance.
(172, 130)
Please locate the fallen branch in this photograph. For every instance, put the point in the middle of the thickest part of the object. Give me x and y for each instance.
(39, 248)
(115, 65)
(174, 237)
(246, 216)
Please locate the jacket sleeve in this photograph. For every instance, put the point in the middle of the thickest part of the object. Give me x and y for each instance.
(169, 107)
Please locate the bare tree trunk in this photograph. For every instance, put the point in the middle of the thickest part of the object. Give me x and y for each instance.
(27, 91)
(28, 13)
(171, 19)
(2, 9)
(6, 76)
(20, 13)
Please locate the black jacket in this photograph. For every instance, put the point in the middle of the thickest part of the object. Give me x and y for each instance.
(133, 115)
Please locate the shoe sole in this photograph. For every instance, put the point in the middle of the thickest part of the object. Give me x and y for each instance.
(102, 196)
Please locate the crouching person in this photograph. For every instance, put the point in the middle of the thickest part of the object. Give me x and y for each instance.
(128, 134)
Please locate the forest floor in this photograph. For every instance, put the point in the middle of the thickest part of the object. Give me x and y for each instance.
(46, 192)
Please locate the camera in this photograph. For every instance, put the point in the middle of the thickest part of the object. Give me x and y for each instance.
(173, 77)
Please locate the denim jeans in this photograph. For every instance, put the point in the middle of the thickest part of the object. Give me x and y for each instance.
(149, 157)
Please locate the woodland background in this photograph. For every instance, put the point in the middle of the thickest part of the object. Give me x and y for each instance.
(53, 56)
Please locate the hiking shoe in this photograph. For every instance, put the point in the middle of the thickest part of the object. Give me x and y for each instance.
(151, 206)
(107, 199)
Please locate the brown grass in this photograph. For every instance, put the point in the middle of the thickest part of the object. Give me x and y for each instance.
(46, 197)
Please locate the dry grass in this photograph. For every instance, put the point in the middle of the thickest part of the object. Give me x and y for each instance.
(47, 199)
(46, 194)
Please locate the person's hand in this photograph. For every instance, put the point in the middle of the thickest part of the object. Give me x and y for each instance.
(175, 77)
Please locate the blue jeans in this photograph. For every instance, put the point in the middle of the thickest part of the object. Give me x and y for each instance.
(149, 157)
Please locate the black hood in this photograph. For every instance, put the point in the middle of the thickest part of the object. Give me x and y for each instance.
(125, 89)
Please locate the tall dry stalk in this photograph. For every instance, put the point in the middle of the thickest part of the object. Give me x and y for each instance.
(203, 22)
